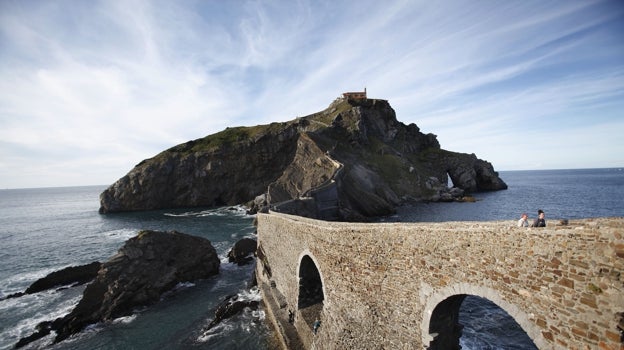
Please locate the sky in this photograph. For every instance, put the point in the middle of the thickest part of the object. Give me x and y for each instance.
(88, 89)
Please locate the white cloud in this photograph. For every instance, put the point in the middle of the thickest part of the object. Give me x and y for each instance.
(104, 85)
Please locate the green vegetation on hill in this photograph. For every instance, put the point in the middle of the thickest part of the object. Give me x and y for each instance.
(234, 135)
(326, 117)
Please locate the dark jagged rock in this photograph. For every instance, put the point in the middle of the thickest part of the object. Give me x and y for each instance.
(144, 268)
(73, 275)
(241, 250)
(229, 307)
(14, 295)
(352, 161)
(41, 330)
(69, 275)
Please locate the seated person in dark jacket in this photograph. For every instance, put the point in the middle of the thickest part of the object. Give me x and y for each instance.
(539, 222)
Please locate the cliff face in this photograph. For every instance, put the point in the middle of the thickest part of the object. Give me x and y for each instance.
(352, 161)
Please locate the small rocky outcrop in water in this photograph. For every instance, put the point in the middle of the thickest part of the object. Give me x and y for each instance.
(351, 162)
(229, 307)
(239, 254)
(144, 268)
(73, 275)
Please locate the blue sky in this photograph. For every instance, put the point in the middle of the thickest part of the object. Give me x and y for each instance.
(88, 89)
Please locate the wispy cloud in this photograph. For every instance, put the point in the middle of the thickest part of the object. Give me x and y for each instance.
(102, 85)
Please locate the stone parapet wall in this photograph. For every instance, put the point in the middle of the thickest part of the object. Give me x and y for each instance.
(381, 282)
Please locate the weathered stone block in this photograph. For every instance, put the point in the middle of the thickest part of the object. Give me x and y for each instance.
(589, 300)
(579, 332)
(613, 336)
(566, 282)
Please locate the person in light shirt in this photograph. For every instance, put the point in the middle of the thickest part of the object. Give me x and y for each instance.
(524, 220)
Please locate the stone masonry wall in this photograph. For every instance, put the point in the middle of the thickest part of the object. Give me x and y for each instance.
(563, 284)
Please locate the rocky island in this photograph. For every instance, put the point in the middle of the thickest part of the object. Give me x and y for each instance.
(350, 162)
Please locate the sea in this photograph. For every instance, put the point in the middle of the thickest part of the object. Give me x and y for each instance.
(46, 229)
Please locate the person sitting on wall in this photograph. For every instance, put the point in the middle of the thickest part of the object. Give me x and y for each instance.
(540, 221)
(524, 220)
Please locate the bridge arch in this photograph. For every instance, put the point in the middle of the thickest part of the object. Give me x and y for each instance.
(535, 276)
(311, 288)
(441, 315)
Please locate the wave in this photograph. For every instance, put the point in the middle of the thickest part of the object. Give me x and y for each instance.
(19, 282)
(244, 233)
(125, 319)
(177, 288)
(183, 285)
(247, 321)
(220, 329)
(259, 314)
(226, 265)
(224, 259)
(252, 294)
(235, 210)
(487, 326)
(32, 309)
(122, 234)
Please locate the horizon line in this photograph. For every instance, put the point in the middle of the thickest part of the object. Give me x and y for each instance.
(506, 170)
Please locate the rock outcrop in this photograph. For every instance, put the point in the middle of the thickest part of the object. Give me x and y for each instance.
(143, 269)
(241, 251)
(351, 162)
(73, 275)
(232, 305)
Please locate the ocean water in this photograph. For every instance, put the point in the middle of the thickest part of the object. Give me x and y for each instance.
(43, 230)
(562, 194)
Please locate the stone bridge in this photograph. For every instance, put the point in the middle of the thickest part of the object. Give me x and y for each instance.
(400, 285)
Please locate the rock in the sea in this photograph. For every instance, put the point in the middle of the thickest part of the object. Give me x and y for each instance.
(73, 275)
(352, 161)
(230, 307)
(69, 275)
(241, 250)
(144, 268)
(41, 330)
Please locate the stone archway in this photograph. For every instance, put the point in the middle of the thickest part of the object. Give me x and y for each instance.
(311, 295)
(450, 321)
(485, 324)
(444, 325)
(449, 180)
(441, 327)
